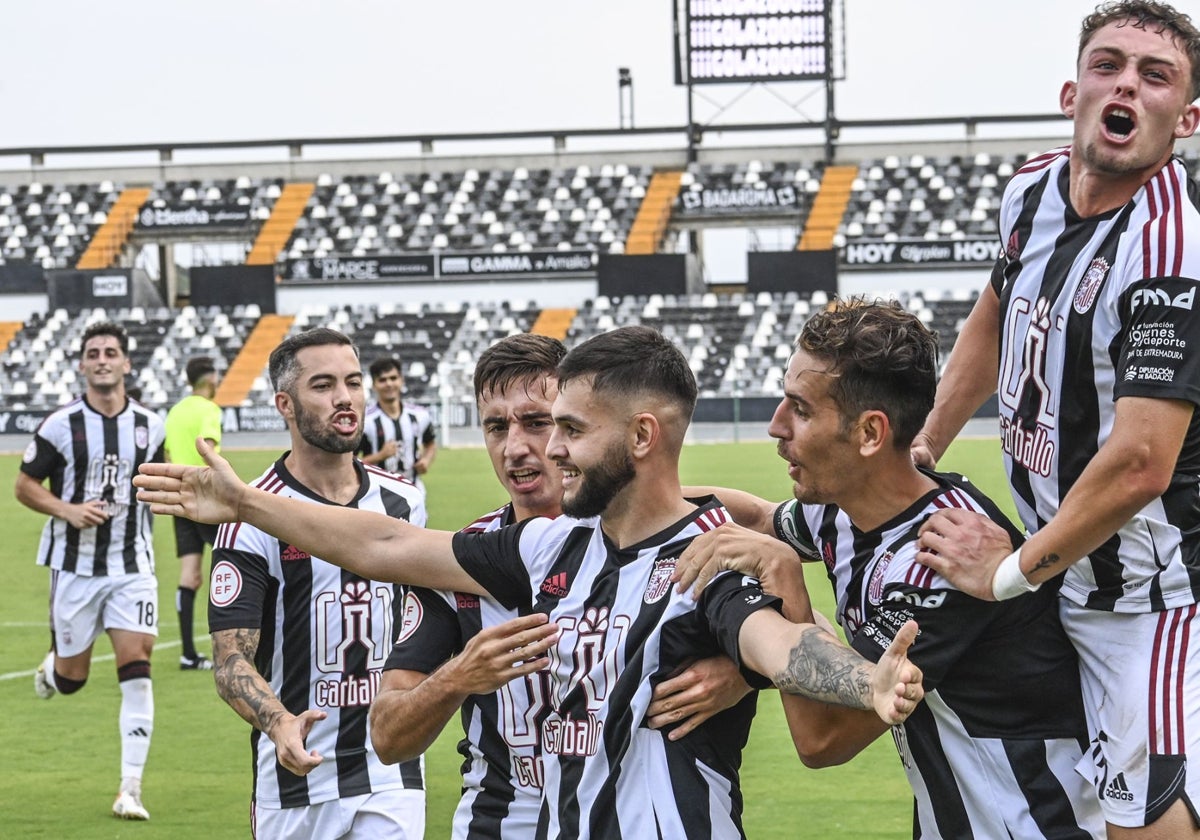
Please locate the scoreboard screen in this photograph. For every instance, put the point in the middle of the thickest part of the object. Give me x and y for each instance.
(728, 41)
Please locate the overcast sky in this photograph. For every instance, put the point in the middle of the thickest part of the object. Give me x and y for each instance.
(129, 71)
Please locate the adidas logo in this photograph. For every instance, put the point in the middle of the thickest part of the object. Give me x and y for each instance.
(138, 732)
(293, 553)
(555, 585)
(1117, 789)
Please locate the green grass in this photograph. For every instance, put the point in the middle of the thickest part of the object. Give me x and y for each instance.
(61, 757)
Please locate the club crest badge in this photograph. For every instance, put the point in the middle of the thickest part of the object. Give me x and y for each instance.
(660, 580)
(1089, 286)
(875, 586)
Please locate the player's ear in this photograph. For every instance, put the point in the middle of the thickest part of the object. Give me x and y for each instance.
(873, 430)
(644, 433)
(1188, 122)
(1066, 99)
(283, 404)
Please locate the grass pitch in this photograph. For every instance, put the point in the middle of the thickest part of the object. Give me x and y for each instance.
(61, 756)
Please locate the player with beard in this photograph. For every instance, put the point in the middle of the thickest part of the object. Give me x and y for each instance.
(1089, 335)
(455, 652)
(298, 644)
(625, 397)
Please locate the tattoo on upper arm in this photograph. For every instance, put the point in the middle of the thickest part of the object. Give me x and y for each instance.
(238, 681)
(822, 669)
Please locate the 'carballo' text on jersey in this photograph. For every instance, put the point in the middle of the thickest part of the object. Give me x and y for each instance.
(1093, 310)
(622, 630)
(1002, 725)
(325, 634)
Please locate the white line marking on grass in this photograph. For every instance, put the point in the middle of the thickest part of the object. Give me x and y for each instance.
(107, 657)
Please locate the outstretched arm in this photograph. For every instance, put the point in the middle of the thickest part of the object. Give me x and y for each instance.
(803, 659)
(412, 708)
(247, 693)
(369, 544)
(969, 379)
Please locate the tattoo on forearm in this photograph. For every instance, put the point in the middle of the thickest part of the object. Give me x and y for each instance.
(822, 669)
(238, 681)
(1046, 562)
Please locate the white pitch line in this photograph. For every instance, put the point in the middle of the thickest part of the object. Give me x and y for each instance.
(107, 657)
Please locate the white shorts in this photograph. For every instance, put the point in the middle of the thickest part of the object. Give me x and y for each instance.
(82, 607)
(1141, 691)
(395, 814)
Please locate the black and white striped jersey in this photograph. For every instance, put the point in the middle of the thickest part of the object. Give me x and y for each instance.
(502, 765)
(623, 629)
(412, 430)
(1093, 310)
(325, 634)
(991, 753)
(89, 456)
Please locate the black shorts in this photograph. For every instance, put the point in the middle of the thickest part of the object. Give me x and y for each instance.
(190, 536)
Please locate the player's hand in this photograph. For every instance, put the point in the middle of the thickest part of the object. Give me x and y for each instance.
(702, 690)
(288, 734)
(388, 449)
(209, 494)
(923, 451)
(420, 466)
(87, 514)
(497, 655)
(896, 682)
(965, 548)
(731, 547)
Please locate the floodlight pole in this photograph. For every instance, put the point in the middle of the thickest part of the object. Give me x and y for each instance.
(831, 126)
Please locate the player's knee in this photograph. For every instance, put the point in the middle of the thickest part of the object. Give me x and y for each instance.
(134, 670)
(66, 685)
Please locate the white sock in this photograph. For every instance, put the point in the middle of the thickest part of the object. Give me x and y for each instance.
(137, 724)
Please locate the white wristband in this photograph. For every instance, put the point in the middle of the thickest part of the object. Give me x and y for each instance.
(1009, 581)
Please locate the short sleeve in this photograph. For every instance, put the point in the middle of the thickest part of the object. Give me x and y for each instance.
(238, 587)
(429, 633)
(726, 603)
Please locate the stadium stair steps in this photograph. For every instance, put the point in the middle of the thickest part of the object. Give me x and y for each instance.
(110, 237)
(828, 208)
(277, 229)
(250, 361)
(8, 331)
(554, 323)
(654, 213)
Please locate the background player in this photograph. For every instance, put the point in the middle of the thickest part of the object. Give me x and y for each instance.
(602, 574)
(196, 415)
(298, 643)
(99, 543)
(397, 437)
(1089, 334)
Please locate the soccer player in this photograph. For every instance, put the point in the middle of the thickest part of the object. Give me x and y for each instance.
(601, 574)
(397, 437)
(298, 643)
(1089, 333)
(99, 543)
(991, 752)
(457, 652)
(196, 415)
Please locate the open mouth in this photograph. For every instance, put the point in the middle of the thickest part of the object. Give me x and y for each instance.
(523, 478)
(1119, 123)
(346, 424)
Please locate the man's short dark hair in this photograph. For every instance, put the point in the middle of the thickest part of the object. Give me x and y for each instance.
(517, 358)
(283, 368)
(106, 328)
(1148, 14)
(632, 360)
(384, 364)
(199, 367)
(882, 359)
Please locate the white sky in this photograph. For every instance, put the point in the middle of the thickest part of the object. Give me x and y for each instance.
(127, 71)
